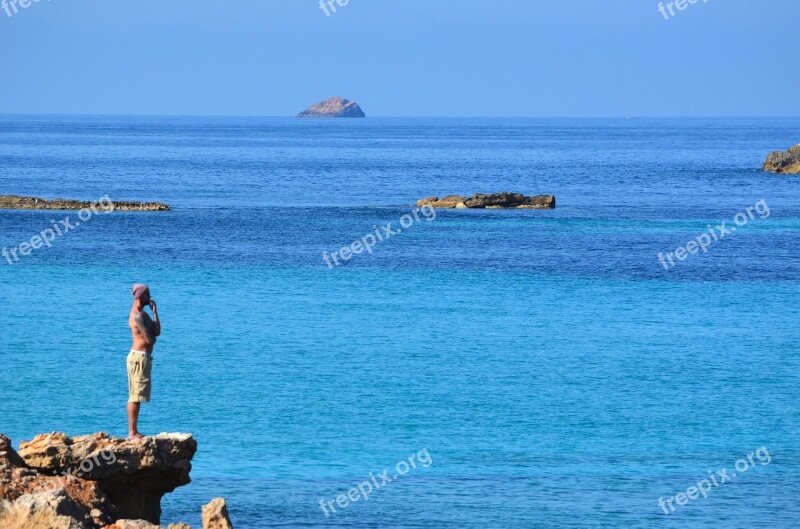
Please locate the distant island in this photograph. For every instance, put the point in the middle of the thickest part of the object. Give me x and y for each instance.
(335, 107)
(503, 200)
(15, 202)
(784, 162)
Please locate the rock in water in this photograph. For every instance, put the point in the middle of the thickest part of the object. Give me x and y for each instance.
(448, 202)
(539, 202)
(16, 202)
(784, 162)
(494, 201)
(335, 107)
(215, 515)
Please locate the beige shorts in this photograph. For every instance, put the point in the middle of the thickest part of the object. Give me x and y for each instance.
(139, 382)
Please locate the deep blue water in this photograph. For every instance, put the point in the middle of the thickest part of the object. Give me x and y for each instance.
(555, 372)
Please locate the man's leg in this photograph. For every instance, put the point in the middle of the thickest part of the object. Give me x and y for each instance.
(139, 367)
(133, 420)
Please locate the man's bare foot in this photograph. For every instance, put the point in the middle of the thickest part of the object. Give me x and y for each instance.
(134, 436)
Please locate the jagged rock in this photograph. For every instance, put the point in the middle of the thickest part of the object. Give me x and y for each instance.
(48, 509)
(539, 202)
(215, 515)
(134, 475)
(448, 202)
(31, 497)
(100, 482)
(493, 201)
(105, 204)
(335, 107)
(71, 504)
(784, 162)
(8, 456)
(499, 200)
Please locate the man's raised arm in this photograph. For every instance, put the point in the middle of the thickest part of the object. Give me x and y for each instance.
(156, 321)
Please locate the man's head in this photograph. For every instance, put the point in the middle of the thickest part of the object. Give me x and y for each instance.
(142, 293)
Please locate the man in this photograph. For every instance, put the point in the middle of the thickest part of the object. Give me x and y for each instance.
(144, 331)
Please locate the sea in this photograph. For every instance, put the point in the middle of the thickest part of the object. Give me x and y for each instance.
(627, 359)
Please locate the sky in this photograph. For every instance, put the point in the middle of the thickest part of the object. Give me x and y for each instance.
(476, 58)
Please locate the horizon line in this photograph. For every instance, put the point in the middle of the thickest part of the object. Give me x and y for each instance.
(294, 116)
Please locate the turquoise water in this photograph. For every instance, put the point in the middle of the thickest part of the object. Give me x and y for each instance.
(555, 372)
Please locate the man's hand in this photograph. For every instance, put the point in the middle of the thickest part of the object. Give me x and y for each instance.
(156, 321)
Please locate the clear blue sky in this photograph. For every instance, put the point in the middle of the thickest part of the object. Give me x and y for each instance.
(402, 57)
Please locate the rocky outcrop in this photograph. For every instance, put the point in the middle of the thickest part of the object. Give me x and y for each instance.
(134, 475)
(335, 107)
(94, 481)
(494, 201)
(32, 499)
(8, 456)
(54, 509)
(105, 204)
(215, 515)
(448, 202)
(784, 162)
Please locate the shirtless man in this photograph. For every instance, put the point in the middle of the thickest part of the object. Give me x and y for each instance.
(144, 331)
